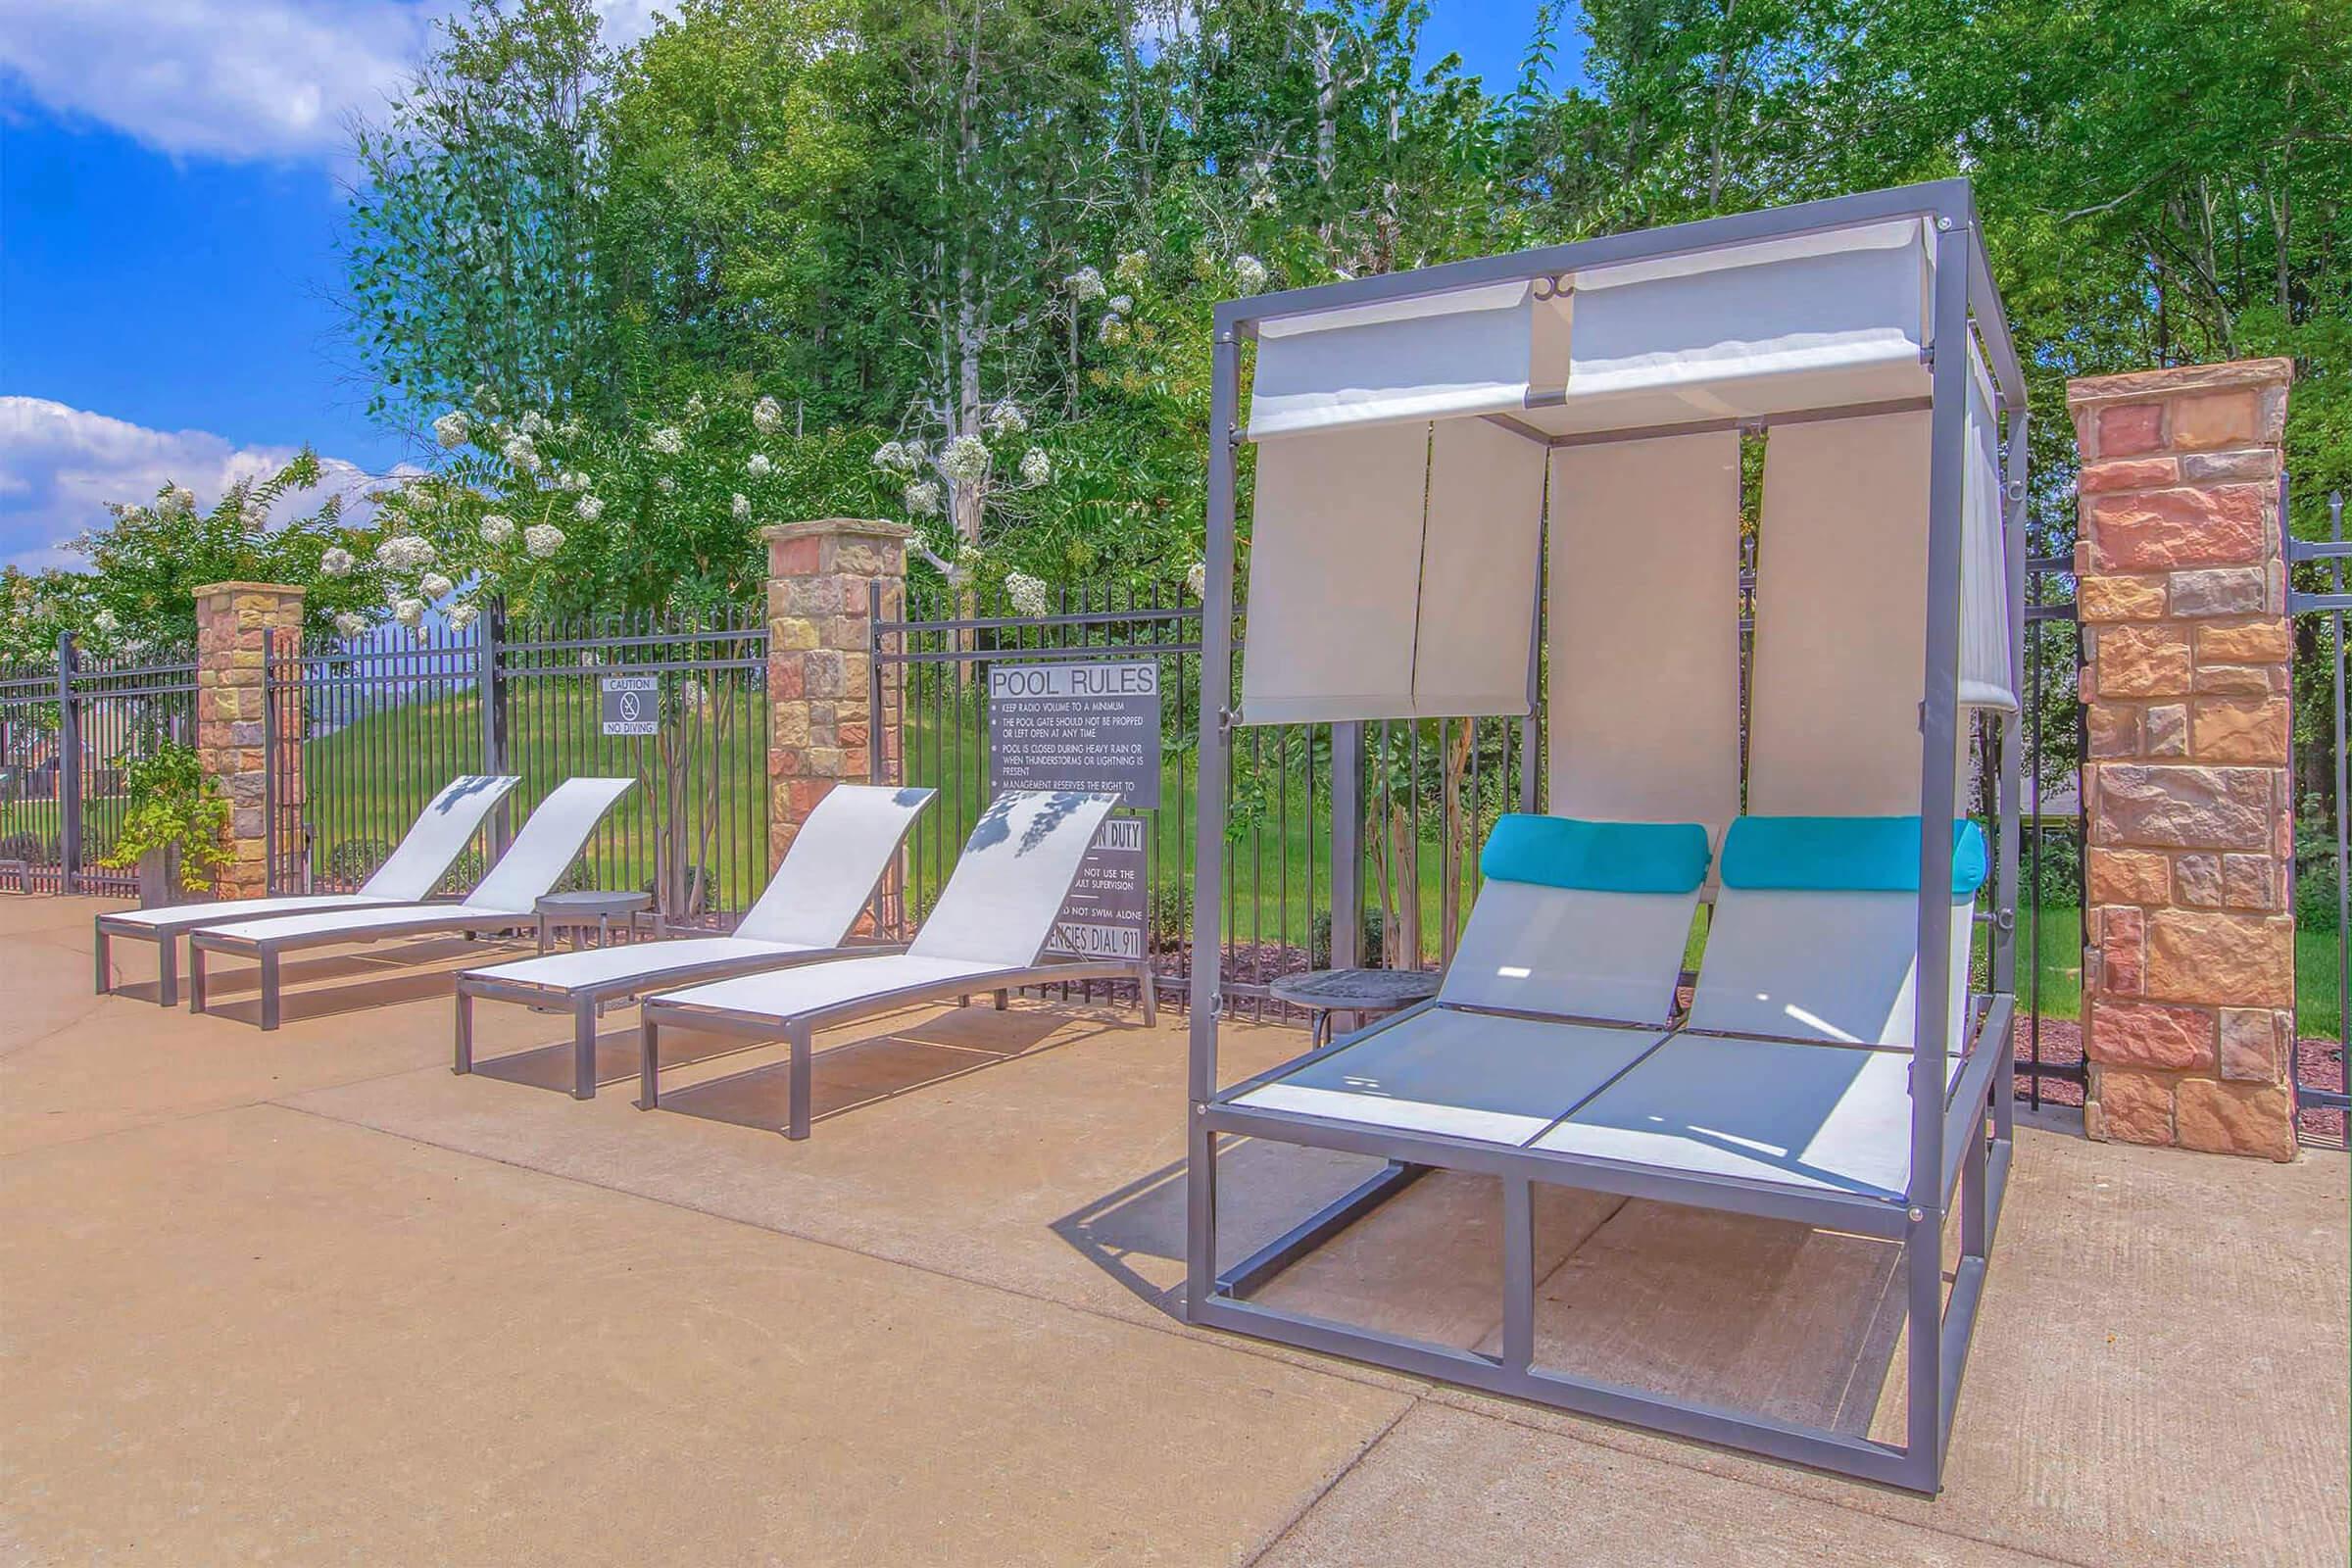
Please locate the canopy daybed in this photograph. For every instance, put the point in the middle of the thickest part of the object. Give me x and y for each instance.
(1521, 475)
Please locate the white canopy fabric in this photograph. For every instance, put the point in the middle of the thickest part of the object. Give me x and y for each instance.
(1814, 321)
(1392, 573)
(1644, 629)
(1472, 351)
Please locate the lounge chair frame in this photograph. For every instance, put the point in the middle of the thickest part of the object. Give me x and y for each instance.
(1960, 1140)
(798, 1030)
(453, 919)
(166, 937)
(586, 1003)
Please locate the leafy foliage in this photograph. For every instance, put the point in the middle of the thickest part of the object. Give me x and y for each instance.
(174, 804)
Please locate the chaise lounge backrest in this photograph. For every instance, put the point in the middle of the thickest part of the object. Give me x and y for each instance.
(998, 907)
(842, 849)
(1816, 930)
(546, 845)
(435, 841)
(1583, 920)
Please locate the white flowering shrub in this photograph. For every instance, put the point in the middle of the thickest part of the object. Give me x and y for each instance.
(336, 561)
(349, 624)
(520, 455)
(588, 509)
(767, 417)
(667, 440)
(452, 431)
(433, 585)
(1026, 593)
(924, 498)
(1036, 467)
(497, 528)
(1086, 283)
(1196, 578)
(409, 611)
(759, 465)
(463, 615)
(739, 507)
(965, 460)
(542, 540)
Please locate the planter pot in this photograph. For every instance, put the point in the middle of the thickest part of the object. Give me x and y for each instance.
(158, 878)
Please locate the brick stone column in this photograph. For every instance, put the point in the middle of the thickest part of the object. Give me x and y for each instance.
(234, 624)
(819, 671)
(2188, 981)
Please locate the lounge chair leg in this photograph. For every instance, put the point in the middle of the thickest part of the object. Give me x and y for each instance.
(649, 1063)
(105, 978)
(464, 1063)
(167, 971)
(1000, 1002)
(798, 1125)
(269, 989)
(583, 1048)
(195, 976)
(1147, 988)
(1518, 1272)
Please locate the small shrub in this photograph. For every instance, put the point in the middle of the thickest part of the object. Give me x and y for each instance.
(1172, 916)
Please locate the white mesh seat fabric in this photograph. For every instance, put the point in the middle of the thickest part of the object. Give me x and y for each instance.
(1532, 945)
(646, 961)
(784, 993)
(840, 853)
(1463, 1074)
(995, 915)
(548, 842)
(1810, 1115)
(416, 865)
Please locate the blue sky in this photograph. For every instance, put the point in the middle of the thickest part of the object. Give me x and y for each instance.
(169, 210)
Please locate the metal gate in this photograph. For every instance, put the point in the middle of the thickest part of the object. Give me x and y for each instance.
(2316, 601)
(69, 731)
(380, 722)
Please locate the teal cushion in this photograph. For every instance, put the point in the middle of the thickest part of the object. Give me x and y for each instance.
(1563, 851)
(1844, 853)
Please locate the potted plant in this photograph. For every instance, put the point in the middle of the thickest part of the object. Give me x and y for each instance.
(175, 829)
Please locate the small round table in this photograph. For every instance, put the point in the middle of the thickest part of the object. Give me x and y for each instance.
(1362, 992)
(580, 910)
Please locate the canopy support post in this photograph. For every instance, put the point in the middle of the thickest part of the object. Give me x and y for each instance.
(1940, 719)
(1208, 839)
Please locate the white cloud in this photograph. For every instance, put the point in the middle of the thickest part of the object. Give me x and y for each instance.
(59, 466)
(236, 80)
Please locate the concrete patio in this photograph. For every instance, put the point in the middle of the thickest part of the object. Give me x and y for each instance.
(307, 1297)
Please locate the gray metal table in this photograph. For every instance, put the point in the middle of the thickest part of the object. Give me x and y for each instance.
(1362, 992)
(580, 910)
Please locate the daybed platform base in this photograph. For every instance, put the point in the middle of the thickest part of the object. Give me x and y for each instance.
(1942, 1322)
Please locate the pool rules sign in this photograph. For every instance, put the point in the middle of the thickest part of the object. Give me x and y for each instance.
(1091, 727)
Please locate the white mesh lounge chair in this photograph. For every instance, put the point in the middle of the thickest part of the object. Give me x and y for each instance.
(1565, 976)
(416, 865)
(502, 902)
(835, 862)
(987, 932)
(1794, 1065)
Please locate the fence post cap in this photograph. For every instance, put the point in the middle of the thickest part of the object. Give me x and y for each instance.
(293, 589)
(819, 527)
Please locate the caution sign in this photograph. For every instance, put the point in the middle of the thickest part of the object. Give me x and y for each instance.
(1091, 727)
(1105, 915)
(630, 705)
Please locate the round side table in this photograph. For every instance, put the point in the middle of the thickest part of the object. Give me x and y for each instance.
(580, 910)
(1362, 992)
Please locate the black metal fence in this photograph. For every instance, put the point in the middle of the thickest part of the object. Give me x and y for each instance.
(380, 722)
(1382, 818)
(69, 732)
(2317, 599)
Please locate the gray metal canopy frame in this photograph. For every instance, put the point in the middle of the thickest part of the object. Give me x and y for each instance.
(1960, 1138)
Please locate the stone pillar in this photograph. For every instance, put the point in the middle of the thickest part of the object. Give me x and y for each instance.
(235, 622)
(820, 577)
(2189, 982)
